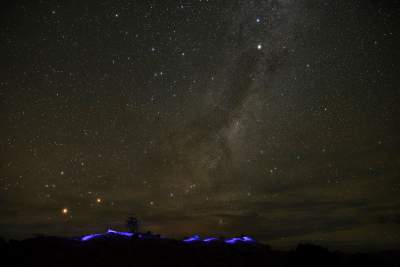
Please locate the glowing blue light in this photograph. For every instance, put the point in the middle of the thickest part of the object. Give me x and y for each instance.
(232, 240)
(88, 237)
(248, 239)
(192, 239)
(109, 231)
(240, 239)
(128, 234)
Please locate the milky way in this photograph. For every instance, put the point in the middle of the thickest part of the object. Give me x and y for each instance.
(277, 119)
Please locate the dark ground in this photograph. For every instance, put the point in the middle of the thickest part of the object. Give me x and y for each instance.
(117, 251)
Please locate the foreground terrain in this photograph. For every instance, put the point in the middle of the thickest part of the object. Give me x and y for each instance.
(116, 250)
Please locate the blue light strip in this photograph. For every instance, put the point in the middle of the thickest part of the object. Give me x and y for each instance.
(240, 239)
(233, 240)
(109, 231)
(247, 239)
(210, 239)
(128, 234)
(88, 237)
(192, 239)
(195, 238)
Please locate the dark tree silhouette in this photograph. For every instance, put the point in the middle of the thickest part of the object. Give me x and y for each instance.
(133, 224)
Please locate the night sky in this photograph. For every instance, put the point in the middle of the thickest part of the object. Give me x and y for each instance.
(278, 119)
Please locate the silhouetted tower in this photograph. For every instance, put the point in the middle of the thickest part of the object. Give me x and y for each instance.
(133, 224)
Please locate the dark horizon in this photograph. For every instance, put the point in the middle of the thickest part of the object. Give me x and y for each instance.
(332, 246)
(276, 119)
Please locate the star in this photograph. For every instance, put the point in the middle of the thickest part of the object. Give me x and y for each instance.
(65, 211)
(259, 46)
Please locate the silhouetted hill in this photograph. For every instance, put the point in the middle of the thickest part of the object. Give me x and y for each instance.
(114, 250)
